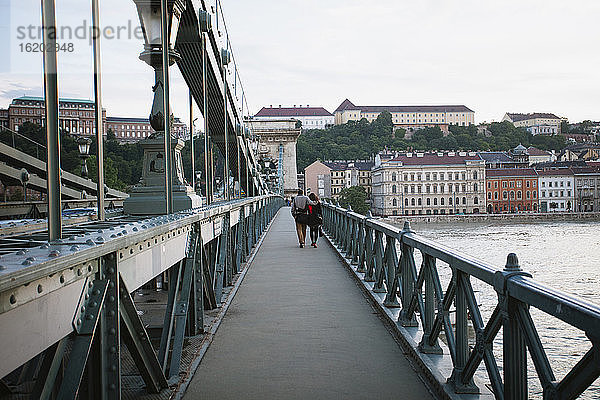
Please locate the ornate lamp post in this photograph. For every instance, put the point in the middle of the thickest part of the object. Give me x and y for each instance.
(162, 186)
(84, 152)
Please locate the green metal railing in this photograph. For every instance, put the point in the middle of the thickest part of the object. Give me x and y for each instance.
(371, 248)
(197, 253)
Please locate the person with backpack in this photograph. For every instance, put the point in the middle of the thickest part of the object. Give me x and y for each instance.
(300, 213)
(316, 219)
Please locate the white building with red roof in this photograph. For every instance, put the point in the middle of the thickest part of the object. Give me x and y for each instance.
(310, 117)
(429, 184)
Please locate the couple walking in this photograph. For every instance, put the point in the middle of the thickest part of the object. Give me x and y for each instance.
(307, 212)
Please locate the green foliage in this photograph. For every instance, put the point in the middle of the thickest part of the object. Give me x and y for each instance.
(351, 141)
(355, 197)
(357, 140)
(111, 174)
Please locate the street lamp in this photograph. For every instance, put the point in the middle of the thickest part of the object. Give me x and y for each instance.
(149, 12)
(162, 186)
(83, 144)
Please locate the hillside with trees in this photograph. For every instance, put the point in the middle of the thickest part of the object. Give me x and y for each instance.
(358, 140)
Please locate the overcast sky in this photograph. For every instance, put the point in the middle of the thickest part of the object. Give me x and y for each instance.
(492, 56)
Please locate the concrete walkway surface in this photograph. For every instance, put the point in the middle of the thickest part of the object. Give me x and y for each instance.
(300, 328)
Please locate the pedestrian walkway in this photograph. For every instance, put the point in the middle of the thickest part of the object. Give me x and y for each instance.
(300, 328)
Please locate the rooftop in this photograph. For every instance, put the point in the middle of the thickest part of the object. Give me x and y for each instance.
(495, 156)
(510, 172)
(554, 172)
(293, 112)
(62, 100)
(344, 165)
(534, 151)
(522, 117)
(348, 105)
(446, 158)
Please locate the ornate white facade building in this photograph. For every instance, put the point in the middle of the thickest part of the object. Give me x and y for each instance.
(429, 184)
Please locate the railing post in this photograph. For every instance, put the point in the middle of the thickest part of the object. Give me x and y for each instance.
(349, 233)
(379, 259)
(462, 339)
(363, 243)
(369, 257)
(426, 346)
(391, 280)
(514, 348)
(407, 262)
(356, 241)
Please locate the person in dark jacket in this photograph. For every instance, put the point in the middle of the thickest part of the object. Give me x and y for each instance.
(316, 219)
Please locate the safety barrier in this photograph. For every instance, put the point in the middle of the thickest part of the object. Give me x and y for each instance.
(371, 249)
(66, 307)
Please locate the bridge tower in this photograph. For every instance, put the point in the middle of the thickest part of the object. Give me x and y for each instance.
(277, 141)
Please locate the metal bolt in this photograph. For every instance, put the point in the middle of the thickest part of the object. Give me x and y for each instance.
(113, 367)
(97, 292)
(111, 298)
(78, 321)
(111, 270)
(90, 284)
(111, 313)
(112, 331)
(94, 304)
(89, 317)
(82, 309)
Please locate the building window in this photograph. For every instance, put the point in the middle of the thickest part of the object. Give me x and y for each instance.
(476, 200)
(464, 200)
(412, 202)
(393, 188)
(442, 201)
(419, 202)
(428, 201)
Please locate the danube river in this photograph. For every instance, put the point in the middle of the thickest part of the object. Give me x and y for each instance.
(564, 255)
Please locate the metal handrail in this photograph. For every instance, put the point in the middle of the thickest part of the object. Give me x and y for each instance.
(370, 246)
(13, 134)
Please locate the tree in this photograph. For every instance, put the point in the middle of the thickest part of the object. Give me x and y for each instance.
(355, 197)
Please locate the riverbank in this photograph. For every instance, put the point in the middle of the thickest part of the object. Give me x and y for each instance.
(520, 217)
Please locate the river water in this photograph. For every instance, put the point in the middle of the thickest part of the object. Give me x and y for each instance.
(564, 255)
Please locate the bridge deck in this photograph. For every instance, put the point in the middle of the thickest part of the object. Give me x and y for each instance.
(300, 328)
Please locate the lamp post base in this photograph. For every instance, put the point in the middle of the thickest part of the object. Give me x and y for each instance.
(151, 200)
(149, 197)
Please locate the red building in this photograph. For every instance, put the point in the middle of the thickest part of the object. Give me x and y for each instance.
(511, 190)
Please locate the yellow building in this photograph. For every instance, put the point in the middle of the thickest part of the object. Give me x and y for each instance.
(408, 117)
